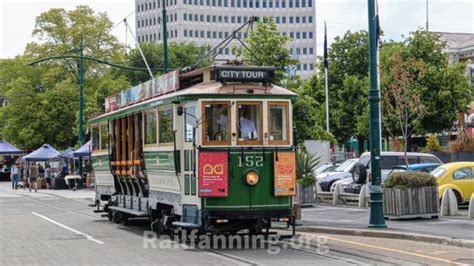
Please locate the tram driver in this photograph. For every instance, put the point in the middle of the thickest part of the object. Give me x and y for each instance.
(247, 129)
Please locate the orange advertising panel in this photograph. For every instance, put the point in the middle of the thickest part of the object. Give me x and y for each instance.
(285, 173)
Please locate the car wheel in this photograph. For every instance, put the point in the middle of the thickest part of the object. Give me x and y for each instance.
(359, 173)
(458, 197)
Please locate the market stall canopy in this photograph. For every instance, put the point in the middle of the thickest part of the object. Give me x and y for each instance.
(84, 150)
(68, 153)
(45, 153)
(8, 149)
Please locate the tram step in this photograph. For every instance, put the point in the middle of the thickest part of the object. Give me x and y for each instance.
(129, 211)
(185, 225)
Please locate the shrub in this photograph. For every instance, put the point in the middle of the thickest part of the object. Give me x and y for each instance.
(432, 144)
(306, 163)
(410, 180)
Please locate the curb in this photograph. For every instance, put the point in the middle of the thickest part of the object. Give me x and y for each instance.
(464, 243)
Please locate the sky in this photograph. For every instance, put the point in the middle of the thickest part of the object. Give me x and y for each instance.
(397, 18)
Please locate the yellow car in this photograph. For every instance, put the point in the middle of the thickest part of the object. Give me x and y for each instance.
(458, 176)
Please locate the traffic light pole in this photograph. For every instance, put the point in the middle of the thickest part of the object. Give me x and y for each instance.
(376, 193)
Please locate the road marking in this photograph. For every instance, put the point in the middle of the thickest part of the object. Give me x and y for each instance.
(397, 251)
(88, 237)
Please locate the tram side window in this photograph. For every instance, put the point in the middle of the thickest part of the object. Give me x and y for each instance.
(248, 126)
(189, 121)
(150, 128)
(165, 126)
(95, 138)
(104, 137)
(217, 124)
(278, 123)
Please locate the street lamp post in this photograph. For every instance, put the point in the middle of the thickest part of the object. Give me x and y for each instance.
(81, 93)
(377, 219)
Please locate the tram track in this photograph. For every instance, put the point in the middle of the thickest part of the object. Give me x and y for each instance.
(283, 244)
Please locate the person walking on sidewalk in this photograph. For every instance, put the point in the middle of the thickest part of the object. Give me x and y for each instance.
(47, 175)
(32, 175)
(15, 176)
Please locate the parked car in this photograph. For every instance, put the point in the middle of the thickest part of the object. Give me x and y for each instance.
(458, 176)
(419, 167)
(388, 160)
(329, 167)
(325, 180)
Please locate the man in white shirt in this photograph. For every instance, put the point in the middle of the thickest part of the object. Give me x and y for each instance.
(248, 131)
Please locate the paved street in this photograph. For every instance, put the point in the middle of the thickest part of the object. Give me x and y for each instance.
(46, 229)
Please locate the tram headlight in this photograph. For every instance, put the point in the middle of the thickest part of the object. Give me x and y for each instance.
(252, 178)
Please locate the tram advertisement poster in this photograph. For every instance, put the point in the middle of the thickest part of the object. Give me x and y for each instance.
(213, 174)
(285, 174)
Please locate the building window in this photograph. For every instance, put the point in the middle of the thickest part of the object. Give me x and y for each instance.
(238, 3)
(226, 19)
(202, 34)
(214, 34)
(305, 66)
(305, 50)
(264, 4)
(277, 3)
(208, 34)
(244, 3)
(292, 35)
(219, 18)
(290, 3)
(310, 19)
(297, 20)
(311, 51)
(232, 3)
(270, 3)
(298, 51)
(283, 20)
(225, 3)
(196, 34)
(185, 33)
(297, 3)
(304, 34)
(232, 19)
(277, 20)
(283, 3)
(310, 3)
(214, 18)
(201, 18)
(208, 18)
(310, 35)
(303, 19)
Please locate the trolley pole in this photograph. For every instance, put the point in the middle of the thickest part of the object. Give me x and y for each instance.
(165, 38)
(376, 193)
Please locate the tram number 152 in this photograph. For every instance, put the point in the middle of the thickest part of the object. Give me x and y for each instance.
(250, 161)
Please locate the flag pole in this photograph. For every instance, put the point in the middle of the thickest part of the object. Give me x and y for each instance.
(326, 75)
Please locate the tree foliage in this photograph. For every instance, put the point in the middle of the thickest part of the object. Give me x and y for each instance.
(43, 100)
(268, 48)
(180, 55)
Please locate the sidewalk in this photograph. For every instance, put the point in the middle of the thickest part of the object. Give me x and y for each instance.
(87, 193)
(353, 218)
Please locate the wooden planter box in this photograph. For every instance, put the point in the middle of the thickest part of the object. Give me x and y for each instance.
(411, 203)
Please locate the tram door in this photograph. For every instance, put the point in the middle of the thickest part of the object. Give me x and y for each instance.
(188, 151)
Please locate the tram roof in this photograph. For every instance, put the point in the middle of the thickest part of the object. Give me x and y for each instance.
(212, 89)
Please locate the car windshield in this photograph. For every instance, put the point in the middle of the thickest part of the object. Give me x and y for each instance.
(438, 172)
(346, 166)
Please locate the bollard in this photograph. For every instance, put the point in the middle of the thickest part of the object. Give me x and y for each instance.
(470, 212)
(318, 188)
(336, 195)
(364, 191)
(449, 203)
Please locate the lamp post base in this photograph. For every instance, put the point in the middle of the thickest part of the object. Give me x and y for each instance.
(377, 219)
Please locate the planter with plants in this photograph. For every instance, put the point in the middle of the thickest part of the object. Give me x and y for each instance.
(306, 163)
(410, 195)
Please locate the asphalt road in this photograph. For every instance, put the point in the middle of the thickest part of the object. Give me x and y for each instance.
(43, 229)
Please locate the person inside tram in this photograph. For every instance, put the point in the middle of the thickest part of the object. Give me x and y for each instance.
(221, 121)
(247, 128)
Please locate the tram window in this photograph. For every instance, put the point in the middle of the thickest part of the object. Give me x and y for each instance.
(189, 121)
(278, 123)
(95, 138)
(165, 125)
(249, 123)
(216, 123)
(104, 137)
(150, 128)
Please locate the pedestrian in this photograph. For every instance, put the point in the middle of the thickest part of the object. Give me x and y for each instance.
(15, 176)
(47, 175)
(32, 175)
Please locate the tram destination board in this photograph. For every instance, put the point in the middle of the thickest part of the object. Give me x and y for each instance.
(244, 74)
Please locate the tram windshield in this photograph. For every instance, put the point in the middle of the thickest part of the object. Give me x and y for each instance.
(249, 122)
(217, 122)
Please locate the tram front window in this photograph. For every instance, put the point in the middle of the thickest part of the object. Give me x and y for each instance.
(217, 122)
(95, 138)
(278, 123)
(249, 122)
(190, 121)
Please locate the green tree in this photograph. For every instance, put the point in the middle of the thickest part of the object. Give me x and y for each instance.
(268, 48)
(180, 55)
(43, 100)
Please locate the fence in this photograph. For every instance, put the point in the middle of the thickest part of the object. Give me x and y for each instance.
(313, 194)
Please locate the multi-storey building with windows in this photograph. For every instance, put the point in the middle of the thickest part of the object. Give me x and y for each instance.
(208, 22)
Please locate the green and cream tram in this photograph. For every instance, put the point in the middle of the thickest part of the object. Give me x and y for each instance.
(210, 149)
